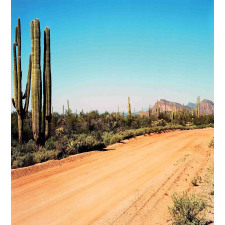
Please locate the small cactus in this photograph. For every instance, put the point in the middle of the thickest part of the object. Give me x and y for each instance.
(129, 107)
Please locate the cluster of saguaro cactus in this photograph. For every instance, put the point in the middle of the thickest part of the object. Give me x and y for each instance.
(36, 87)
(35, 82)
(17, 77)
(129, 107)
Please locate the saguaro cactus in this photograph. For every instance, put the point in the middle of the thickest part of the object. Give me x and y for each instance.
(198, 107)
(129, 107)
(36, 87)
(17, 77)
(157, 110)
(47, 83)
(68, 107)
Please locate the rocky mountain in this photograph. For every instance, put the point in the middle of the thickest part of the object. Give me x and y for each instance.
(206, 107)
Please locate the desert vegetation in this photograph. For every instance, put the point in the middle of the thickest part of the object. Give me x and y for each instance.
(73, 133)
(187, 210)
(42, 134)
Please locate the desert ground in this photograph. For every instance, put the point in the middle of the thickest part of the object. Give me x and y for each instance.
(128, 183)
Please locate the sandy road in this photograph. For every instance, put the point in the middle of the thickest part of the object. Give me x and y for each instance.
(131, 183)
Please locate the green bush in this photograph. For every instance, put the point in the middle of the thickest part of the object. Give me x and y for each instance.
(89, 131)
(50, 143)
(106, 137)
(43, 155)
(116, 138)
(186, 210)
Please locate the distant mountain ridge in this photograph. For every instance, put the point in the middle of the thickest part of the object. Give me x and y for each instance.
(206, 107)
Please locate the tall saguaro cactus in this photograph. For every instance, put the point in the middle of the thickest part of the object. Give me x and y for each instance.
(198, 107)
(68, 106)
(149, 111)
(17, 77)
(47, 83)
(157, 110)
(129, 107)
(36, 82)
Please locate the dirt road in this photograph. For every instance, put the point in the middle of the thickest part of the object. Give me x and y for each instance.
(131, 183)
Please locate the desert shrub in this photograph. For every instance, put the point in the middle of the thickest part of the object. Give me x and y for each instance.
(72, 148)
(186, 210)
(194, 181)
(84, 142)
(141, 131)
(116, 138)
(211, 143)
(51, 143)
(44, 155)
(106, 137)
(127, 134)
(160, 122)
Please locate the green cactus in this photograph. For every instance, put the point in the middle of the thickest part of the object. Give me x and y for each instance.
(63, 110)
(129, 107)
(149, 111)
(172, 112)
(198, 107)
(17, 78)
(36, 82)
(47, 83)
(68, 106)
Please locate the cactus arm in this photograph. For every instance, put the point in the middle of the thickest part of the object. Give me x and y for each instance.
(19, 102)
(13, 102)
(27, 92)
(16, 35)
(15, 76)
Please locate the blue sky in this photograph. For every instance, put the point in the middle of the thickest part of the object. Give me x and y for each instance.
(104, 51)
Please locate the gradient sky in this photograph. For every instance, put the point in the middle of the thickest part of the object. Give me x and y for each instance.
(104, 51)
